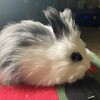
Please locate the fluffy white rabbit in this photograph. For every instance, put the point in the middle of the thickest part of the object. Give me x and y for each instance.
(39, 54)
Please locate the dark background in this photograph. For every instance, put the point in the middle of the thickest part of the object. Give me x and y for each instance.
(16, 10)
(87, 12)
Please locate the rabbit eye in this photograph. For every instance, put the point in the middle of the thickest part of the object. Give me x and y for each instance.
(76, 56)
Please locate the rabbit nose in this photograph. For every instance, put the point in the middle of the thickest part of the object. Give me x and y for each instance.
(76, 56)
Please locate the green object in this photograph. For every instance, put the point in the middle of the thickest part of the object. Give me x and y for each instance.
(61, 92)
(95, 60)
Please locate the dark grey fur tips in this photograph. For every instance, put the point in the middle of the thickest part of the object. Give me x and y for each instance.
(56, 21)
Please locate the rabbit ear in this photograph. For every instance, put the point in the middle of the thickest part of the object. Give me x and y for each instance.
(56, 22)
(68, 18)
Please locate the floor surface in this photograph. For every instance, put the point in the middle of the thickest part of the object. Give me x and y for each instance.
(91, 36)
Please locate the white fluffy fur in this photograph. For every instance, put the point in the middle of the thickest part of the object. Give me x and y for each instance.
(47, 62)
(53, 66)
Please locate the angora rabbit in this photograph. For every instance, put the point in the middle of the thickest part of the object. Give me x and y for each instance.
(38, 54)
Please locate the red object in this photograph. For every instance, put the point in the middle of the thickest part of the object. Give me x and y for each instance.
(93, 69)
(24, 92)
